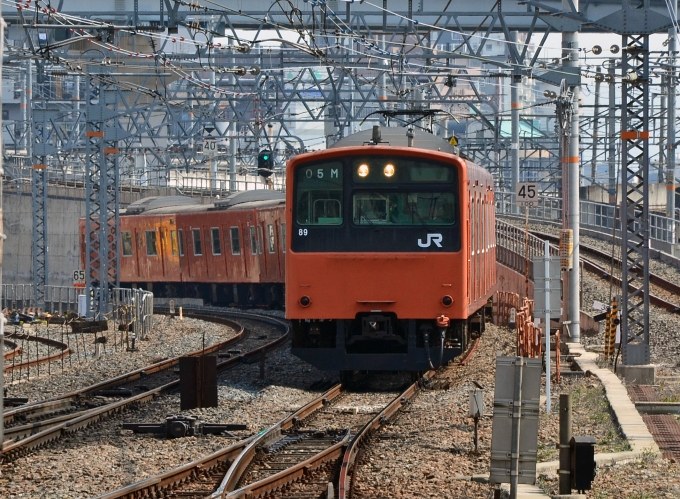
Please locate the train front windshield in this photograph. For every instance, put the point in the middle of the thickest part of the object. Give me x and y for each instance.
(375, 203)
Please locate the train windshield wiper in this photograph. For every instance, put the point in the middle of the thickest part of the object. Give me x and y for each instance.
(364, 217)
(414, 212)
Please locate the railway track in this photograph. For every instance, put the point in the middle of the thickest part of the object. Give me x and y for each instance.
(302, 455)
(17, 351)
(33, 425)
(667, 287)
(310, 453)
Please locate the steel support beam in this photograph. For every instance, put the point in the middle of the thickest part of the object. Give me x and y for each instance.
(635, 203)
(102, 205)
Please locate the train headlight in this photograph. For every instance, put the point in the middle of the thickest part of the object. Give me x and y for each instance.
(447, 301)
(305, 301)
(388, 170)
(363, 170)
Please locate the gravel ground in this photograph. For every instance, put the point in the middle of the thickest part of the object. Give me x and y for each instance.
(426, 452)
(105, 457)
(169, 338)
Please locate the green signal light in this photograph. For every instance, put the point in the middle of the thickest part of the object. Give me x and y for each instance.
(265, 157)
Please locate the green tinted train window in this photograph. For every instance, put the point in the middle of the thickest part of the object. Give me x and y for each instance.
(319, 194)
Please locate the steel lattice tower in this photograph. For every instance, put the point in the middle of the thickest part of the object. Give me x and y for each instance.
(635, 203)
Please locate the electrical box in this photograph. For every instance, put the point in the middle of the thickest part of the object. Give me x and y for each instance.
(582, 462)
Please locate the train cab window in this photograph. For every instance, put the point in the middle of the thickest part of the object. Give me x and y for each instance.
(173, 242)
(235, 241)
(215, 236)
(253, 241)
(180, 240)
(126, 238)
(151, 247)
(271, 237)
(259, 239)
(283, 237)
(198, 249)
(319, 194)
(404, 208)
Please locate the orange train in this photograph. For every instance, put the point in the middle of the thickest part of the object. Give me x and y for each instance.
(227, 253)
(391, 255)
(389, 251)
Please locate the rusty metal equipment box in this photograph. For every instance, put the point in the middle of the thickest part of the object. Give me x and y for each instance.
(582, 462)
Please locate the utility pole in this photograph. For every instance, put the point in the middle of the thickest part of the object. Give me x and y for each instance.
(570, 176)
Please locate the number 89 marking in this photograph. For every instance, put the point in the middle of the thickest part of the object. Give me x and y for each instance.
(302, 232)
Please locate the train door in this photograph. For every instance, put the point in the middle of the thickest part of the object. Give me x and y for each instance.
(163, 249)
(274, 229)
(245, 230)
(478, 267)
(261, 258)
(469, 249)
(139, 256)
(482, 237)
(128, 262)
(226, 251)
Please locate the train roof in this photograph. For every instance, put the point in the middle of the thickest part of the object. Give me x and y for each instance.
(392, 136)
(156, 202)
(181, 204)
(258, 195)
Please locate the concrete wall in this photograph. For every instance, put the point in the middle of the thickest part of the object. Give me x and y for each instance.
(65, 206)
(596, 194)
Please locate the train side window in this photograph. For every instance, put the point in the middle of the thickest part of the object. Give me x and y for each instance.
(259, 239)
(283, 237)
(151, 247)
(198, 250)
(126, 237)
(216, 247)
(235, 241)
(173, 242)
(253, 241)
(180, 239)
(271, 238)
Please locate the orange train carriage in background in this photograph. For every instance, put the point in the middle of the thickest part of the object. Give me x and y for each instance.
(391, 254)
(230, 252)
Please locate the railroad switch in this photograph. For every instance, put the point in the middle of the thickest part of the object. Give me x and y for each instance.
(183, 426)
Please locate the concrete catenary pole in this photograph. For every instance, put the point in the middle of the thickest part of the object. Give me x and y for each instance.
(596, 126)
(663, 111)
(571, 170)
(514, 143)
(670, 154)
(611, 132)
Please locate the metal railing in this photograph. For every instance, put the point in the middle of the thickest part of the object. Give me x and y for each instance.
(598, 217)
(515, 250)
(129, 307)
